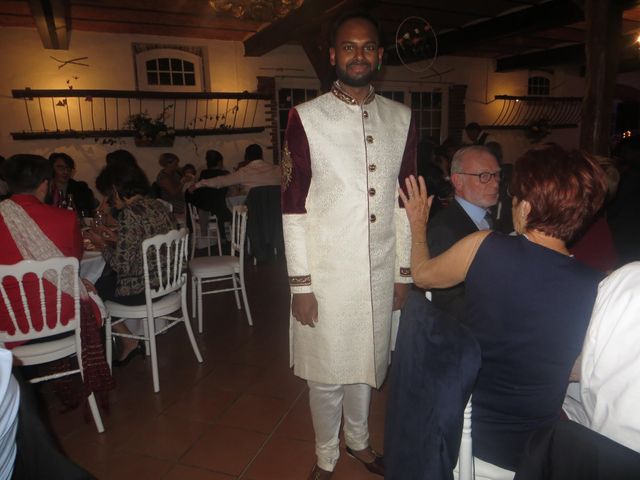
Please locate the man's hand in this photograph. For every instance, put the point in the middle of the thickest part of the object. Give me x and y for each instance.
(400, 293)
(304, 308)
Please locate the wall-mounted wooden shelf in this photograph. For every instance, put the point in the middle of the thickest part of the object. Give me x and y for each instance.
(55, 114)
(523, 112)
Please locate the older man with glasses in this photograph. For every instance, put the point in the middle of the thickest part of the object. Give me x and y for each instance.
(475, 175)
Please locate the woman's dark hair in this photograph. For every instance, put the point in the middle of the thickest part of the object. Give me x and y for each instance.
(121, 156)
(25, 173)
(62, 156)
(564, 188)
(128, 180)
(167, 158)
(214, 158)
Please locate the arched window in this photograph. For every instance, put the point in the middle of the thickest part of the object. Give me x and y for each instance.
(539, 85)
(166, 69)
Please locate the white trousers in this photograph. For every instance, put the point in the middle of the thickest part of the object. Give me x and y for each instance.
(328, 404)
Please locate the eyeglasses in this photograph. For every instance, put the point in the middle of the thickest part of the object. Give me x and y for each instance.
(484, 177)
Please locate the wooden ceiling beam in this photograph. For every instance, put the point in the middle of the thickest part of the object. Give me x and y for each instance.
(522, 22)
(299, 23)
(52, 22)
(569, 55)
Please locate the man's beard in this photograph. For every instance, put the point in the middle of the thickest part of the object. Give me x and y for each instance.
(362, 81)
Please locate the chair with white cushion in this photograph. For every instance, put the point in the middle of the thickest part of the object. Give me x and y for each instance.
(168, 301)
(36, 273)
(213, 231)
(469, 467)
(225, 268)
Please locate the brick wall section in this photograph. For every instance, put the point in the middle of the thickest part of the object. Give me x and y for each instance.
(457, 115)
(268, 85)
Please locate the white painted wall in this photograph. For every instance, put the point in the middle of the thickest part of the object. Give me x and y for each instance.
(25, 63)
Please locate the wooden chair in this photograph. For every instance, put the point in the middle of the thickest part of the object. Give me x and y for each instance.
(469, 467)
(213, 231)
(205, 270)
(169, 253)
(37, 273)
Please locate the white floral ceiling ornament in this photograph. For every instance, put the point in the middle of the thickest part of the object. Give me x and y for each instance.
(257, 10)
(416, 41)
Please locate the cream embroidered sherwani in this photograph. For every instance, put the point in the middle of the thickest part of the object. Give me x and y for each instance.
(347, 239)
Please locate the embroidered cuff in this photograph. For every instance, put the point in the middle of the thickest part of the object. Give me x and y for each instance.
(300, 281)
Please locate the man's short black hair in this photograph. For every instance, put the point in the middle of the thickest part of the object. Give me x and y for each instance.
(253, 152)
(473, 126)
(24, 173)
(359, 14)
(127, 179)
(213, 158)
(63, 156)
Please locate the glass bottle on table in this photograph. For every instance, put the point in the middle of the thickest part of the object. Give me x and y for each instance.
(98, 218)
(70, 203)
(58, 198)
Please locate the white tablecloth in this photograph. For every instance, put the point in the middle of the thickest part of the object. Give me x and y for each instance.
(91, 266)
(235, 200)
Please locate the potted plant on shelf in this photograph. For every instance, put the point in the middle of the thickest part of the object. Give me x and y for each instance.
(538, 130)
(151, 132)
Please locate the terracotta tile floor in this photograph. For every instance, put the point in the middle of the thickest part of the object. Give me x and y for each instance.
(241, 414)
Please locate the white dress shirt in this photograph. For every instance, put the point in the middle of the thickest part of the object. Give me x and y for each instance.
(609, 386)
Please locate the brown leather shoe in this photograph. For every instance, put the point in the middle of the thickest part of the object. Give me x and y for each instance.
(376, 466)
(319, 474)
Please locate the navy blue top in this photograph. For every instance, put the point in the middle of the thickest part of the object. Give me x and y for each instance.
(529, 308)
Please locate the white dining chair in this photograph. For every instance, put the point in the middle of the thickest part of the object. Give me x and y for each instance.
(225, 268)
(213, 231)
(166, 300)
(31, 277)
(469, 467)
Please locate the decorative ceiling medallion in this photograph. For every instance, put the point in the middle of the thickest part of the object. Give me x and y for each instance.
(257, 10)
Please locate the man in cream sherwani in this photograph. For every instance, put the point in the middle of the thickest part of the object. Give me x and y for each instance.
(347, 240)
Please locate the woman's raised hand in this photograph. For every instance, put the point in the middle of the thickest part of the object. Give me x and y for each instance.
(417, 201)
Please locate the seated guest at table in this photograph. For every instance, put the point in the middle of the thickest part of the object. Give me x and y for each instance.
(138, 217)
(528, 303)
(121, 156)
(256, 173)
(169, 182)
(211, 200)
(64, 189)
(188, 173)
(594, 246)
(623, 212)
(610, 360)
(31, 230)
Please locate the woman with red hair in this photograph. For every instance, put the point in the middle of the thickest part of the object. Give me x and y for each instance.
(528, 302)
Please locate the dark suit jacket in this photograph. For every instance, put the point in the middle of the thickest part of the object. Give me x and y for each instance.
(569, 451)
(446, 228)
(434, 368)
(212, 199)
(264, 223)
